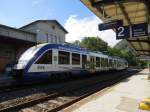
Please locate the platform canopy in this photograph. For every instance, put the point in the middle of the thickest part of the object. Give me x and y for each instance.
(130, 11)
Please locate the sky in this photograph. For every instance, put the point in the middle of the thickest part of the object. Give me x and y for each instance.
(77, 19)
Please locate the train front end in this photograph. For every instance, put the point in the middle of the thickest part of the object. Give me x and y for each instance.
(18, 70)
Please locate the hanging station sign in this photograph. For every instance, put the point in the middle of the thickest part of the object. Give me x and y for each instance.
(132, 31)
(139, 30)
(124, 32)
(110, 25)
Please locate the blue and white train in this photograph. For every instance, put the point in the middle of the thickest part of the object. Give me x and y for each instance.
(45, 61)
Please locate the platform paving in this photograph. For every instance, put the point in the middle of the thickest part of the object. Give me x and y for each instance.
(122, 97)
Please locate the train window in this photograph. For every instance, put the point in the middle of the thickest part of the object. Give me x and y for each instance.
(75, 59)
(46, 58)
(97, 62)
(104, 62)
(63, 57)
(92, 59)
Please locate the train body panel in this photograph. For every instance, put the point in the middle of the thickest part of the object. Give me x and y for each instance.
(44, 60)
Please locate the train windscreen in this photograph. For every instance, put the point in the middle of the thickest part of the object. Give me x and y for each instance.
(28, 54)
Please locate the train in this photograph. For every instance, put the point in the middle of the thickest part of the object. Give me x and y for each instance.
(46, 61)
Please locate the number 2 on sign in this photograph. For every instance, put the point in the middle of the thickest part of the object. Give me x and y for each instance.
(120, 31)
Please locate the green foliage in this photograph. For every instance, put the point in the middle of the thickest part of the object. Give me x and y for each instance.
(114, 52)
(125, 51)
(94, 44)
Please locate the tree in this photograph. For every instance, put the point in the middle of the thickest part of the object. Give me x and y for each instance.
(114, 52)
(127, 52)
(94, 44)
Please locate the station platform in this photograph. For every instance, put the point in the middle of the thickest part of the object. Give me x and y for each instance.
(122, 97)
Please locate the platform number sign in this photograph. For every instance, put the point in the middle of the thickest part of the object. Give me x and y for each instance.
(132, 31)
(122, 32)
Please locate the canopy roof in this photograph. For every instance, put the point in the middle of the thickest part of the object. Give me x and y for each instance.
(130, 11)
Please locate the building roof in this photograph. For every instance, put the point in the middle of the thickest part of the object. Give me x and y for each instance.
(51, 21)
(5, 26)
(10, 33)
(130, 11)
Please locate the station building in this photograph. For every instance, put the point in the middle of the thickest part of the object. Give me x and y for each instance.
(14, 41)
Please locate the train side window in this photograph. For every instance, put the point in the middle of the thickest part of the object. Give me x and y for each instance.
(46, 58)
(75, 59)
(63, 57)
(97, 62)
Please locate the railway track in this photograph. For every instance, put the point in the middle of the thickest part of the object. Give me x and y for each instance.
(19, 86)
(52, 102)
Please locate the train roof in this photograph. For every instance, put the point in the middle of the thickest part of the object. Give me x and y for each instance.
(65, 47)
(98, 54)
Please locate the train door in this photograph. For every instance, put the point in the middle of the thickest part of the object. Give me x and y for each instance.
(92, 62)
(55, 58)
(102, 63)
(97, 62)
(84, 61)
(107, 63)
(110, 65)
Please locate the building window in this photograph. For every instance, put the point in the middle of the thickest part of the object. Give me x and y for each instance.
(51, 38)
(59, 39)
(55, 39)
(64, 57)
(53, 27)
(46, 58)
